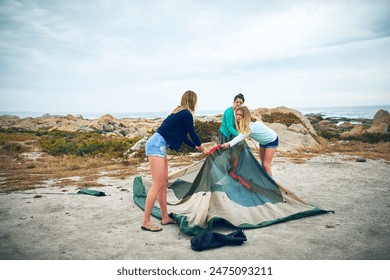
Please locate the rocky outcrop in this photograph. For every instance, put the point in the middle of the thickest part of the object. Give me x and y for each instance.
(380, 123)
(137, 146)
(107, 124)
(292, 136)
(261, 112)
(355, 131)
(346, 128)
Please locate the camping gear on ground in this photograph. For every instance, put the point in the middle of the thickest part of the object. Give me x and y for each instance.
(229, 188)
(91, 192)
(210, 240)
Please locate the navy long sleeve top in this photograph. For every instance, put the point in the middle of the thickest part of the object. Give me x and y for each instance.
(176, 128)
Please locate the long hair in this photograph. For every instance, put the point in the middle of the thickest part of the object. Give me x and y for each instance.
(243, 125)
(188, 101)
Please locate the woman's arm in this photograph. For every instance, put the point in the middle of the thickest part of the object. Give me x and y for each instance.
(230, 122)
(234, 141)
(189, 124)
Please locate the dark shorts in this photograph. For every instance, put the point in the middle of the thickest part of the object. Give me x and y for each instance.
(273, 144)
(223, 139)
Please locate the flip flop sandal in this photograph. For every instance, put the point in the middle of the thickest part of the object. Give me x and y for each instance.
(152, 228)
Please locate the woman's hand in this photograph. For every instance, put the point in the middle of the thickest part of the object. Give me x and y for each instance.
(202, 149)
(225, 145)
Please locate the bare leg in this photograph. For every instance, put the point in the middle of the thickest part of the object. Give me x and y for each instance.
(266, 155)
(159, 171)
(162, 198)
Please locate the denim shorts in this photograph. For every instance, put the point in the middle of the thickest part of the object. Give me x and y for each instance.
(273, 144)
(156, 146)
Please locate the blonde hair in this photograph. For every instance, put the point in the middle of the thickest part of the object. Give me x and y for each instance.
(243, 125)
(188, 101)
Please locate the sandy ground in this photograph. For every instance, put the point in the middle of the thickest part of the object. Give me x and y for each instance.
(49, 224)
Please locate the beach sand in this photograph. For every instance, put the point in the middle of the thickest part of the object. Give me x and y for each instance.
(49, 224)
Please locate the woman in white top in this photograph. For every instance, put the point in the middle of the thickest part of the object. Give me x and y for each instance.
(267, 138)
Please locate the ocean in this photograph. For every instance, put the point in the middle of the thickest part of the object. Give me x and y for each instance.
(350, 112)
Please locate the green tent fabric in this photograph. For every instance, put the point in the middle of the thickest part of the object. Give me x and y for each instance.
(229, 187)
(91, 192)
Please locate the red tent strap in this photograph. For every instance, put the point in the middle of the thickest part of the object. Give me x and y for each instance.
(236, 177)
(212, 150)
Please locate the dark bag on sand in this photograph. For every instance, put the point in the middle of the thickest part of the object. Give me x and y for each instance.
(210, 240)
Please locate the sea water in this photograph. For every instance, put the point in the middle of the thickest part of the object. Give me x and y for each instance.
(350, 112)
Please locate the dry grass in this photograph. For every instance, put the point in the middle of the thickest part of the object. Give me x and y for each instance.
(21, 171)
(350, 148)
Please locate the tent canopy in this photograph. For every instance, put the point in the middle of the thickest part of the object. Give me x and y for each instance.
(229, 187)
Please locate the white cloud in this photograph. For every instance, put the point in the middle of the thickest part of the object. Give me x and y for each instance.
(141, 56)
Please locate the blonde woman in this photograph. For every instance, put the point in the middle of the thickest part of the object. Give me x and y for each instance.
(267, 138)
(171, 134)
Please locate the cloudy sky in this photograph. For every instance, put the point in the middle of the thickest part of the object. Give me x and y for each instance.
(79, 56)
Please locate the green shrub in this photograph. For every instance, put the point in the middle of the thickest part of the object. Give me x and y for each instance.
(13, 147)
(372, 138)
(9, 140)
(207, 132)
(85, 144)
(15, 135)
(329, 134)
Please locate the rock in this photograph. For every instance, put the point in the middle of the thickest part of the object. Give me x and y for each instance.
(108, 127)
(71, 117)
(355, 131)
(382, 116)
(346, 126)
(314, 118)
(284, 110)
(298, 128)
(107, 118)
(380, 128)
(360, 159)
(8, 120)
(380, 123)
(140, 144)
(325, 123)
(293, 139)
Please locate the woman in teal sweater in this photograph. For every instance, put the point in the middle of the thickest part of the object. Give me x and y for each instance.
(227, 130)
